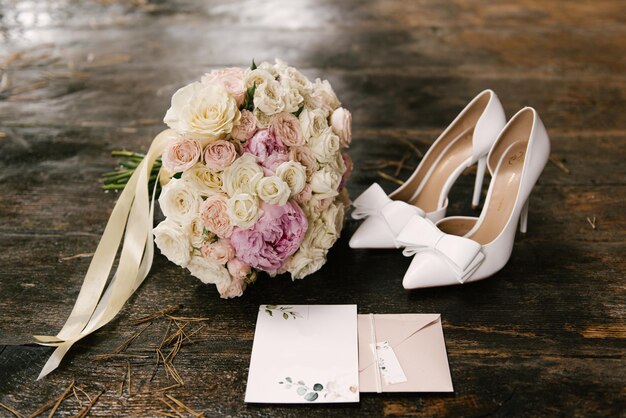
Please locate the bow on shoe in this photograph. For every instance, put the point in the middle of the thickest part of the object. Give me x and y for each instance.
(375, 202)
(462, 255)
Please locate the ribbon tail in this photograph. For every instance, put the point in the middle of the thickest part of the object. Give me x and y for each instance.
(55, 359)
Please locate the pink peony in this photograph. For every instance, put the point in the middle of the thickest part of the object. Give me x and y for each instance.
(269, 150)
(219, 154)
(286, 127)
(273, 238)
(181, 155)
(213, 212)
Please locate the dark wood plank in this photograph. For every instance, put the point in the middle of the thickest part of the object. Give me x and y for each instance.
(544, 337)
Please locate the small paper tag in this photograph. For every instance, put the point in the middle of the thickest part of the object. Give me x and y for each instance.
(388, 364)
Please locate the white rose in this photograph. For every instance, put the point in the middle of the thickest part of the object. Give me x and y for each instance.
(257, 77)
(173, 242)
(341, 122)
(205, 112)
(243, 210)
(208, 271)
(203, 180)
(325, 146)
(179, 202)
(268, 97)
(306, 261)
(324, 95)
(196, 232)
(294, 174)
(324, 238)
(292, 98)
(279, 65)
(297, 79)
(262, 120)
(325, 182)
(242, 175)
(312, 122)
(337, 164)
(273, 190)
(333, 218)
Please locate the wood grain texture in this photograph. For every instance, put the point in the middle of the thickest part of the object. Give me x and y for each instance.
(544, 337)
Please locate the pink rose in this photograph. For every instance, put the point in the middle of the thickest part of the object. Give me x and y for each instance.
(246, 127)
(231, 79)
(181, 154)
(305, 156)
(273, 238)
(268, 150)
(238, 269)
(215, 217)
(320, 205)
(220, 251)
(219, 154)
(349, 167)
(286, 127)
(305, 195)
(341, 123)
(231, 289)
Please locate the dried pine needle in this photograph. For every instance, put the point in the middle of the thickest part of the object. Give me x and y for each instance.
(64, 395)
(386, 176)
(85, 411)
(11, 410)
(183, 406)
(560, 165)
(412, 146)
(592, 222)
(150, 318)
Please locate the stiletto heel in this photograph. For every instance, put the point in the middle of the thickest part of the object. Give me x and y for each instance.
(523, 220)
(441, 256)
(468, 139)
(478, 184)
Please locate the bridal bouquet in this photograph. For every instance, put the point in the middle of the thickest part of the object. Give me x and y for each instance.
(255, 175)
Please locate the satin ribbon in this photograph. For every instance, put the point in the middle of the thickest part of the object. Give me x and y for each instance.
(132, 220)
(375, 202)
(462, 255)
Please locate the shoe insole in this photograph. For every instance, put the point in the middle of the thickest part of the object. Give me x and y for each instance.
(506, 182)
(455, 155)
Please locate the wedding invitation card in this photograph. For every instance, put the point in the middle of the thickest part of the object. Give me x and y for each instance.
(304, 354)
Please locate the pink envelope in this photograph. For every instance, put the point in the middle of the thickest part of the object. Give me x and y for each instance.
(418, 344)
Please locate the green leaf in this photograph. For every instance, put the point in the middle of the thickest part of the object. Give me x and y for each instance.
(300, 382)
(317, 387)
(269, 312)
(301, 391)
(289, 379)
(253, 66)
(177, 175)
(285, 315)
(270, 306)
(311, 396)
(297, 112)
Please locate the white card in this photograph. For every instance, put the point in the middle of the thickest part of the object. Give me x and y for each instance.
(304, 354)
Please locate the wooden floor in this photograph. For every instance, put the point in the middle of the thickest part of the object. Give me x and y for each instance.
(544, 337)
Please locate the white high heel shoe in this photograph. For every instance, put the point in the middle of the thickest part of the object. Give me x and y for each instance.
(441, 259)
(466, 141)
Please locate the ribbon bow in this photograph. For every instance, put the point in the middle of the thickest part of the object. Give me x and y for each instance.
(375, 202)
(462, 255)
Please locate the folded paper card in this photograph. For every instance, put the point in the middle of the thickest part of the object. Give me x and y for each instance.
(304, 354)
(410, 353)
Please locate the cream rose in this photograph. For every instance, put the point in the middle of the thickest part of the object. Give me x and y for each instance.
(341, 123)
(294, 174)
(273, 190)
(178, 202)
(286, 127)
(215, 216)
(181, 154)
(312, 122)
(205, 112)
(325, 182)
(243, 210)
(173, 242)
(220, 251)
(203, 180)
(242, 175)
(306, 261)
(324, 95)
(231, 79)
(305, 156)
(297, 80)
(219, 154)
(292, 98)
(268, 98)
(208, 271)
(258, 77)
(325, 146)
(195, 231)
(246, 127)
